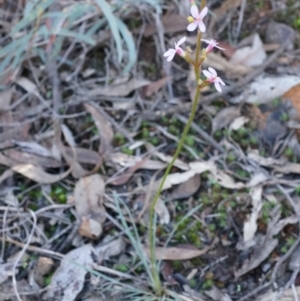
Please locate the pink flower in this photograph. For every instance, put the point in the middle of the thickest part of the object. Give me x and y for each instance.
(211, 45)
(171, 52)
(212, 77)
(197, 18)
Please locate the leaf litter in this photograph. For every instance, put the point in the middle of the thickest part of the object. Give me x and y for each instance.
(221, 213)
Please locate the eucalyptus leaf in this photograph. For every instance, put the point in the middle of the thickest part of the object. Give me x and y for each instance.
(128, 38)
(111, 19)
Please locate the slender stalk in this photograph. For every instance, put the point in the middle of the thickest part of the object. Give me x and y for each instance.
(154, 272)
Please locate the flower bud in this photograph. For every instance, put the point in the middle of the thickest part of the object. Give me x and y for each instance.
(190, 19)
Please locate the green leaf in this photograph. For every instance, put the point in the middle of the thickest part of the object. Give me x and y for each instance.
(111, 19)
(79, 36)
(30, 16)
(128, 38)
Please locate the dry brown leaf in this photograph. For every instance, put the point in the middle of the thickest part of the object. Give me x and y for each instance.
(250, 56)
(109, 248)
(250, 226)
(225, 117)
(37, 174)
(288, 295)
(15, 157)
(225, 180)
(119, 90)
(68, 280)
(104, 128)
(128, 161)
(172, 23)
(288, 167)
(238, 122)
(163, 212)
(90, 228)
(6, 270)
(268, 162)
(155, 86)
(260, 254)
(88, 195)
(176, 253)
(124, 177)
(77, 170)
(186, 189)
(5, 99)
(216, 61)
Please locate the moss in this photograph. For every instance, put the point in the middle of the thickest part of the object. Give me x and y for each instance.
(145, 133)
(192, 283)
(127, 151)
(173, 129)
(231, 158)
(289, 152)
(119, 139)
(208, 283)
(189, 140)
(121, 267)
(154, 141)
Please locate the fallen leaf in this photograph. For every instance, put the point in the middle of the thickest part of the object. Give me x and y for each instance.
(32, 147)
(163, 212)
(238, 122)
(88, 193)
(172, 23)
(279, 33)
(266, 88)
(186, 189)
(104, 128)
(37, 174)
(288, 295)
(128, 161)
(250, 226)
(156, 86)
(90, 228)
(218, 62)
(6, 270)
(260, 254)
(267, 162)
(119, 90)
(176, 253)
(124, 177)
(250, 56)
(225, 117)
(109, 247)
(225, 180)
(5, 99)
(68, 280)
(258, 178)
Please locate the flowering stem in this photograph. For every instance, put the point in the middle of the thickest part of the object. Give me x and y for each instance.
(157, 284)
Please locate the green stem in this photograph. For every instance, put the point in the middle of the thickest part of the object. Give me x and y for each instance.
(154, 272)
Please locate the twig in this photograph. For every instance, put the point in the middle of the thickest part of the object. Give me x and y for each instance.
(45, 252)
(14, 281)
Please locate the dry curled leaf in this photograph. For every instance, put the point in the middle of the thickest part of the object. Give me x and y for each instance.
(156, 86)
(104, 128)
(250, 56)
(88, 195)
(186, 189)
(225, 117)
(68, 280)
(37, 174)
